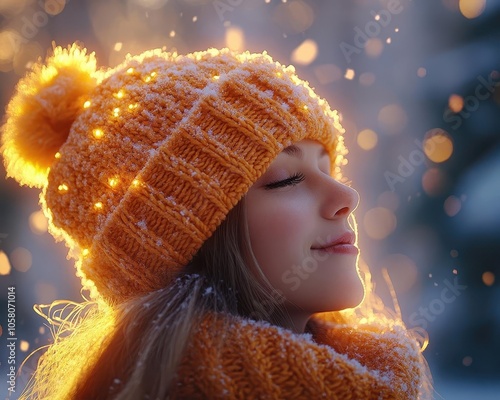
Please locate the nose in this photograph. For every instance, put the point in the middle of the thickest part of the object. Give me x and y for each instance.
(340, 200)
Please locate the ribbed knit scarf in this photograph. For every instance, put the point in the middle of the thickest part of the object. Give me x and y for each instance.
(234, 358)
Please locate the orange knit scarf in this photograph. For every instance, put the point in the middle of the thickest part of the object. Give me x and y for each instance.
(233, 358)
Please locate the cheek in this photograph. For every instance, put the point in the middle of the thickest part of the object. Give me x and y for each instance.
(279, 233)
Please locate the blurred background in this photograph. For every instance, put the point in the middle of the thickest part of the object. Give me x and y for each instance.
(418, 87)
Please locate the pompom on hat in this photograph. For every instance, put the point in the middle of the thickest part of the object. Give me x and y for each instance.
(139, 164)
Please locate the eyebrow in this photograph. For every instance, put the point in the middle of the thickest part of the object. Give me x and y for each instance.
(295, 151)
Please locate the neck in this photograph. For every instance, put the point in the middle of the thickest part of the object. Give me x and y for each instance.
(294, 321)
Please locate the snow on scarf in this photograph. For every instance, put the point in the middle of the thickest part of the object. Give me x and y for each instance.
(234, 358)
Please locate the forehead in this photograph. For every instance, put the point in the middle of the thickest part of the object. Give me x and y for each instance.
(297, 149)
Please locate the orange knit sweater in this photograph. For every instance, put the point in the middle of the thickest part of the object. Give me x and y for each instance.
(233, 358)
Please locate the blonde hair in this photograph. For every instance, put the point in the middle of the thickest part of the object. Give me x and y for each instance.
(116, 352)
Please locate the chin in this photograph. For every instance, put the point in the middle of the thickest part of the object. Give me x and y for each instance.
(354, 296)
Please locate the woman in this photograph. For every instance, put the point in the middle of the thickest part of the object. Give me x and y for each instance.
(202, 198)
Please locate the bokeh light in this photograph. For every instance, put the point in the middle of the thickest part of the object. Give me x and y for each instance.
(488, 278)
(367, 139)
(293, 17)
(389, 199)
(456, 103)
(5, 267)
(305, 53)
(452, 206)
(367, 78)
(349, 74)
(8, 8)
(54, 7)
(235, 38)
(150, 4)
(472, 8)
(402, 270)
(374, 47)
(38, 222)
(393, 118)
(434, 181)
(438, 146)
(327, 73)
(421, 72)
(467, 361)
(24, 345)
(21, 259)
(379, 222)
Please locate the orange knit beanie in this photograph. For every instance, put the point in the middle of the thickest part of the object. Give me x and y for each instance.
(140, 163)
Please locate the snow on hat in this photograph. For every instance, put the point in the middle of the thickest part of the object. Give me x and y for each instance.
(140, 163)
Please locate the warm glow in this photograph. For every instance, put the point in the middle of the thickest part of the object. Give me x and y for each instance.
(434, 181)
(367, 139)
(57, 155)
(472, 8)
(98, 205)
(327, 73)
(24, 345)
(54, 7)
(393, 117)
(87, 104)
(294, 17)
(349, 74)
(488, 278)
(7, 48)
(98, 133)
(235, 38)
(113, 181)
(421, 72)
(136, 183)
(116, 111)
(306, 53)
(21, 259)
(467, 361)
(130, 70)
(63, 188)
(5, 267)
(379, 222)
(367, 79)
(389, 200)
(85, 252)
(402, 270)
(456, 103)
(452, 206)
(38, 222)
(438, 146)
(374, 47)
(118, 46)
(119, 95)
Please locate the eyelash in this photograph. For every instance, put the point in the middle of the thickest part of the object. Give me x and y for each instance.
(293, 180)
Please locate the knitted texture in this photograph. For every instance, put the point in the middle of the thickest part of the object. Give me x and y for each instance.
(149, 157)
(233, 358)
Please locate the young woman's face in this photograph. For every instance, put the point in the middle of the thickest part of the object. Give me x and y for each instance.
(298, 220)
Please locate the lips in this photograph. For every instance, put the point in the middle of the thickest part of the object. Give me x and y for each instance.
(343, 244)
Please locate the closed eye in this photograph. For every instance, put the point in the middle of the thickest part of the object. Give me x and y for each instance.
(293, 180)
